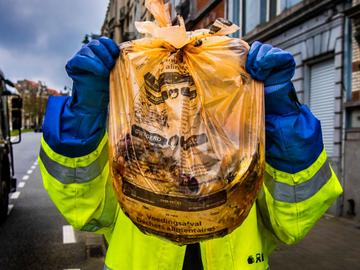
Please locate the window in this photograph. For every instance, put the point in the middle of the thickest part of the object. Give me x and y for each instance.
(256, 12)
(181, 7)
(273, 8)
(285, 4)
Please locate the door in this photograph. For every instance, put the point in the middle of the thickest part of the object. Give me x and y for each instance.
(322, 100)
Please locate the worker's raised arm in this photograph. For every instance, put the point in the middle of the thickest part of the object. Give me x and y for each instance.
(299, 183)
(73, 156)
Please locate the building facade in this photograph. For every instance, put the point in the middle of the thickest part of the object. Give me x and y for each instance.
(352, 106)
(316, 33)
(120, 17)
(323, 36)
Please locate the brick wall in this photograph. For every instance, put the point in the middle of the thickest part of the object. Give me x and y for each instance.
(355, 58)
(200, 4)
(355, 68)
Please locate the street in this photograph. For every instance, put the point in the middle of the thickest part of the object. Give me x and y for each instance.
(33, 236)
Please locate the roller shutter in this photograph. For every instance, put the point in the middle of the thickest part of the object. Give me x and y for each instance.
(322, 100)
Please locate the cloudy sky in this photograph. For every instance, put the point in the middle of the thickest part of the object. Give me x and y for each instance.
(37, 37)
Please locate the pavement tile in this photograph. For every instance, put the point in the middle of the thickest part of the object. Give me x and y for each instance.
(333, 244)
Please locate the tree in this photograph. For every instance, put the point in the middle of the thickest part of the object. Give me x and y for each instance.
(35, 96)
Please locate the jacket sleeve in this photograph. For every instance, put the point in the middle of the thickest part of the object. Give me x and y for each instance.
(299, 184)
(74, 166)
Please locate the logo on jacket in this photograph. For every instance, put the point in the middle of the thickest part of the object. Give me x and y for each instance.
(258, 258)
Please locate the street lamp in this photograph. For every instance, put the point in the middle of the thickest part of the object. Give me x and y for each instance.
(91, 36)
(86, 39)
(67, 90)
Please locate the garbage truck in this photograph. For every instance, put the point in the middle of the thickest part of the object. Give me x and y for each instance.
(10, 119)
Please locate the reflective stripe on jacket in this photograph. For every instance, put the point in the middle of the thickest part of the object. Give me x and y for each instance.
(287, 207)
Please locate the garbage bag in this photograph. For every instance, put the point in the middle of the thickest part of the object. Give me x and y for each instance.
(186, 130)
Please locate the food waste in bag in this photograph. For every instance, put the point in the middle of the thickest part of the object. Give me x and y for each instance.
(186, 130)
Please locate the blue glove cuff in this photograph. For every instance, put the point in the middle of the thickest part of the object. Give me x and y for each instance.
(94, 98)
(293, 141)
(70, 133)
(281, 99)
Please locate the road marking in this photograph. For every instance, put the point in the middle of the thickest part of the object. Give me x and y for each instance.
(33, 167)
(25, 177)
(21, 184)
(68, 234)
(14, 138)
(29, 172)
(15, 195)
(11, 206)
(35, 163)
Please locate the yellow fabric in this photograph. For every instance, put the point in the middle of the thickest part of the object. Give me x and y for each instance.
(299, 177)
(292, 221)
(250, 240)
(74, 162)
(247, 247)
(231, 252)
(86, 202)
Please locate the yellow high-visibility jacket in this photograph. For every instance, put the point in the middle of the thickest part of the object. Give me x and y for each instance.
(287, 207)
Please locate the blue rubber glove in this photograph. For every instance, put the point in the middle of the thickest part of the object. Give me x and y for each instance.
(293, 134)
(275, 67)
(75, 125)
(90, 69)
(269, 64)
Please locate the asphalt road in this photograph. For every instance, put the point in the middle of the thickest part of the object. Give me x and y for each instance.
(33, 235)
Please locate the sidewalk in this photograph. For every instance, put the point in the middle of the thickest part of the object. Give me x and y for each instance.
(333, 244)
(94, 250)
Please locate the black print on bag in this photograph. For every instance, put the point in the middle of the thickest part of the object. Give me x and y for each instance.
(181, 203)
(165, 79)
(151, 137)
(192, 141)
(174, 78)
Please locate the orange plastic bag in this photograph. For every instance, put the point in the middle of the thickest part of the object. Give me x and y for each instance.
(186, 130)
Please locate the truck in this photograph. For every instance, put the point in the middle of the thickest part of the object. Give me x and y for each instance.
(10, 118)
